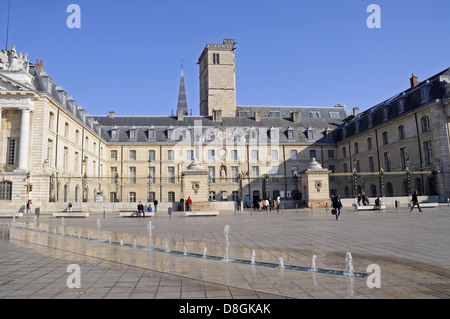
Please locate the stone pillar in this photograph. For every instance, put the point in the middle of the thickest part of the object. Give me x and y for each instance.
(315, 185)
(0, 123)
(24, 139)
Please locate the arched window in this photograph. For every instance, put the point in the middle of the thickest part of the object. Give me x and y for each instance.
(373, 190)
(5, 190)
(389, 189)
(425, 124)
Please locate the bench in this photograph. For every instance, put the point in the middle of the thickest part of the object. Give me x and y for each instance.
(11, 215)
(71, 214)
(133, 213)
(202, 213)
(370, 207)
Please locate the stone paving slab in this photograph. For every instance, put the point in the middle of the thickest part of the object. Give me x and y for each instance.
(411, 250)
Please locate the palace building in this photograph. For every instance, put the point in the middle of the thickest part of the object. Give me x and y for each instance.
(53, 151)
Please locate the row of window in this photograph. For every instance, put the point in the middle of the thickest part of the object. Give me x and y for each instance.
(404, 159)
(234, 155)
(277, 114)
(425, 121)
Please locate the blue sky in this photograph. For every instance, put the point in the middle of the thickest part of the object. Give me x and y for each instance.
(126, 56)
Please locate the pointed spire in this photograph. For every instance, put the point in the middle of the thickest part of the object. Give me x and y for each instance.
(182, 101)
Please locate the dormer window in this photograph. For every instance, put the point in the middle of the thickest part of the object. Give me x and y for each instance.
(133, 134)
(425, 92)
(290, 134)
(115, 134)
(273, 133)
(170, 133)
(275, 114)
(386, 112)
(152, 134)
(329, 134)
(402, 103)
(310, 133)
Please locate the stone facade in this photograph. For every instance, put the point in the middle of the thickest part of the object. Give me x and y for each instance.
(248, 151)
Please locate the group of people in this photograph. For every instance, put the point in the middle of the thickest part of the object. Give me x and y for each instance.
(364, 199)
(267, 204)
(141, 208)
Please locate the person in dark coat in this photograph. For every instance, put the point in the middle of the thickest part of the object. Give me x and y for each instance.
(140, 208)
(415, 201)
(337, 204)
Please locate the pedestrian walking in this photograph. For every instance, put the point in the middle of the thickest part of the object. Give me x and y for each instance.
(29, 203)
(415, 201)
(278, 204)
(337, 204)
(155, 202)
(140, 208)
(189, 203)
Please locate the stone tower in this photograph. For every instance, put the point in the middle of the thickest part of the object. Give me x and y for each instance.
(218, 79)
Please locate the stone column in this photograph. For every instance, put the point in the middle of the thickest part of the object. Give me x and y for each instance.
(24, 139)
(0, 124)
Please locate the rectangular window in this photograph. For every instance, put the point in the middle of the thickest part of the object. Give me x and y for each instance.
(132, 175)
(344, 152)
(170, 155)
(132, 197)
(171, 197)
(356, 148)
(75, 162)
(171, 175)
(234, 174)
(314, 114)
(330, 155)
(152, 175)
(113, 175)
(12, 151)
(255, 155)
(152, 135)
(211, 155)
(335, 115)
(216, 58)
(65, 158)
(274, 155)
(234, 155)
(403, 153)
(312, 154)
(212, 174)
(132, 155)
(151, 155)
(275, 114)
(133, 134)
(371, 164)
(369, 143)
(190, 155)
(151, 197)
(290, 135)
(293, 155)
(387, 162)
(113, 155)
(255, 173)
(113, 197)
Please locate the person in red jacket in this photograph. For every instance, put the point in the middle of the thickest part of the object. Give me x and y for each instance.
(189, 204)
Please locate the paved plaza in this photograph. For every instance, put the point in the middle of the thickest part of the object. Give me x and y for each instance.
(186, 258)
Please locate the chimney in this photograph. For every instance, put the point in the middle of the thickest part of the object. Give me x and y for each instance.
(295, 116)
(355, 111)
(180, 114)
(414, 81)
(217, 115)
(112, 114)
(39, 65)
(258, 116)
